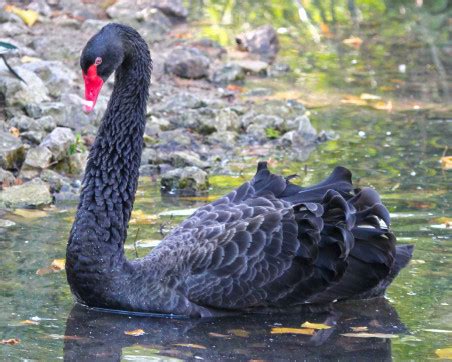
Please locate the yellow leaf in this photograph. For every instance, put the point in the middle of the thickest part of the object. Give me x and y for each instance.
(11, 341)
(315, 325)
(28, 59)
(369, 335)
(353, 42)
(239, 332)
(212, 334)
(135, 332)
(446, 162)
(30, 213)
(445, 353)
(14, 131)
(56, 266)
(29, 322)
(285, 330)
(359, 329)
(369, 97)
(29, 17)
(139, 217)
(190, 345)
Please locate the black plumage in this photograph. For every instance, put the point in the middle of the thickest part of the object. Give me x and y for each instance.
(268, 245)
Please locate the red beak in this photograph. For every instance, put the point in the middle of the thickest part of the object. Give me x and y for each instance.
(93, 85)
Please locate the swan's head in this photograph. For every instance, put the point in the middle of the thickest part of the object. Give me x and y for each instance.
(102, 55)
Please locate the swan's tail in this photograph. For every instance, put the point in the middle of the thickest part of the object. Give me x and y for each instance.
(346, 245)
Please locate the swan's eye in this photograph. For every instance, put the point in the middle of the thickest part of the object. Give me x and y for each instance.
(98, 61)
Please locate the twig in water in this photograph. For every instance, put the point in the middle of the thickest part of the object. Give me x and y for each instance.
(135, 243)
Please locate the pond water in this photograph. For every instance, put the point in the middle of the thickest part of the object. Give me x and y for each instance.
(396, 152)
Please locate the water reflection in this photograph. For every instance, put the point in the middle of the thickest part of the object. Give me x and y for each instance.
(99, 335)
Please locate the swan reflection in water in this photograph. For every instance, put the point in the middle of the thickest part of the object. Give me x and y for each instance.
(98, 335)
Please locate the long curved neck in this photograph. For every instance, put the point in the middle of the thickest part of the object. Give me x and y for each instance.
(95, 249)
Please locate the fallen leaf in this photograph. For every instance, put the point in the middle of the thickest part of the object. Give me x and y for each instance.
(437, 330)
(190, 345)
(285, 330)
(11, 341)
(28, 59)
(445, 353)
(183, 212)
(353, 41)
(417, 261)
(29, 17)
(135, 332)
(15, 132)
(359, 329)
(56, 266)
(446, 162)
(239, 332)
(235, 88)
(212, 334)
(369, 335)
(369, 97)
(139, 217)
(29, 322)
(325, 29)
(30, 213)
(315, 325)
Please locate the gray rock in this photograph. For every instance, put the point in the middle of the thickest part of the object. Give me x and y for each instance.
(12, 152)
(187, 158)
(228, 73)
(180, 101)
(253, 66)
(225, 138)
(39, 157)
(188, 180)
(171, 7)
(149, 170)
(19, 94)
(256, 132)
(33, 137)
(92, 26)
(6, 223)
(55, 74)
(54, 179)
(58, 142)
(187, 62)
(30, 194)
(305, 135)
(176, 137)
(24, 123)
(226, 120)
(262, 41)
(149, 156)
(209, 47)
(21, 122)
(6, 178)
(263, 120)
(77, 163)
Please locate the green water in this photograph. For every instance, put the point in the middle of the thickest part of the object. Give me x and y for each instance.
(396, 152)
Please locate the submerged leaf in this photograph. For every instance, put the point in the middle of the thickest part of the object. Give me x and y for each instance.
(353, 41)
(30, 213)
(56, 266)
(11, 341)
(285, 330)
(369, 335)
(190, 345)
(359, 329)
(315, 325)
(444, 353)
(135, 332)
(29, 322)
(446, 162)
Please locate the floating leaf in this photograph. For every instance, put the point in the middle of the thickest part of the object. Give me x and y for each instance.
(315, 325)
(369, 97)
(438, 330)
(183, 212)
(446, 162)
(30, 213)
(359, 329)
(190, 345)
(135, 332)
(353, 41)
(445, 353)
(56, 266)
(29, 322)
(212, 334)
(285, 330)
(369, 335)
(139, 217)
(11, 341)
(29, 17)
(239, 332)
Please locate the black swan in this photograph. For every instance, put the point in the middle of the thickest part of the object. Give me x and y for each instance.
(268, 246)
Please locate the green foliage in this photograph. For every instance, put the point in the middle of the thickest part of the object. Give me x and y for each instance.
(77, 146)
(272, 133)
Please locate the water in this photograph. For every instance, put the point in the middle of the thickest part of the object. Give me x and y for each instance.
(396, 152)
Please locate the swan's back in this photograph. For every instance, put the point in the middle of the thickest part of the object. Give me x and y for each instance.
(272, 244)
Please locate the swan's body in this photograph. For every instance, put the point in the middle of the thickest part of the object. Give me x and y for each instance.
(267, 245)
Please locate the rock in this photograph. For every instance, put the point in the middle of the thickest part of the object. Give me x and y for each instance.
(54, 179)
(305, 135)
(77, 163)
(187, 62)
(187, 158)
(258, 92)
(253, 66)
(305, 128)
(38, 157)
(278, 69)
(149, 170)
(175, 137)
(228, 73)
(262, 41)
(226, 119)
(24, 123)
(18, 93)
(12, 152)
(6, 223)
(209, 47)
(58, 142)
(225, 138)
(263, 120)
(55, 74)
(30, 194)
(180, 101)
(256, 132)
(149, 156)
(34, 137)
(7, 179)
(188, 180)
(171, 7)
